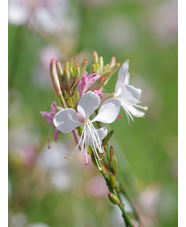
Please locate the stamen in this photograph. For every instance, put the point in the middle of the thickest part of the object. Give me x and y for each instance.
(142, 107)
(98, 139)
(77, 145)
(83, 142)
(93, 139)
(49, 138)
(86, 157)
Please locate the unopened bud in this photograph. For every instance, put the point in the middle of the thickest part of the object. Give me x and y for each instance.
(107, 76)
(93, 69)
(67, 76)
(83, 67)
(100, 64)
(60, 74)
(107, 73)
(77, 70)
(114, 165)
(106, 67)
(113, 61)
(66, 64)
(95, 56)
(104, 170)
(112, 180)
(116, 66)
(71, 75)
(71, 61)
(71, 72)
(114, 199)
(54, 77)
(97, 84)
(111, 154)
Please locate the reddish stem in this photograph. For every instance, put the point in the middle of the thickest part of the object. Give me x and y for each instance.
(76, 139)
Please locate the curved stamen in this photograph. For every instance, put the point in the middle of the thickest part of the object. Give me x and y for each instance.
(93, 141)
(142, 107)
(98, 139)
(77, 145)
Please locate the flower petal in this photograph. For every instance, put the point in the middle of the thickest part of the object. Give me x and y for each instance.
(66, 120)
(90, 82)
(56, 132)
(102, 132)
(127, 78)
(108, 111)
(122, 75)
(88, 104)
(129, 95)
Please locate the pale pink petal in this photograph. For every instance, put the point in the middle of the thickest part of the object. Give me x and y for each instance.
(66, 120)
(82, 83)
(86, 82)
(88, 104)
(56, 132)
(129, 94)
(90, 82)
(108, 111)
(122, 75)
(48, 116)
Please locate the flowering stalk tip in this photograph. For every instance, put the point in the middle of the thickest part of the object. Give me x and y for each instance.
(86, 107)
(54, 77)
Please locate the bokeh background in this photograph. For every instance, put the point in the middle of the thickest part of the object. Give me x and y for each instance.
(45, 190)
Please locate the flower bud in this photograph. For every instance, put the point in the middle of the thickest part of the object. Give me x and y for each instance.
(107, 76)
(76, 98)
(95, 56)
(71, 62)
(60, 75)
(112, 180)
(67, 64)
(114, 165)
(67, 76)
(71, 75)
(104, 170)
(77, 70)
(100, 64)
(93, 69)
(116, 66)
(113, 199)
(83, 67)
(106, 67)
(107, 73)
(113, 61)
(54, 77)
(111, 154)
(97, 84)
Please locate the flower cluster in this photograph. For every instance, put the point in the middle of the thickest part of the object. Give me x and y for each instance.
(84, 101)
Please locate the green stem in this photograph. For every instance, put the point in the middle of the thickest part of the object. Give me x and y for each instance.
(124, 214)
(115, 191)
(62, 101)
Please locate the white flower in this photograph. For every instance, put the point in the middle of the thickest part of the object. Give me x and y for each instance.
(128, 95)
(68, 119)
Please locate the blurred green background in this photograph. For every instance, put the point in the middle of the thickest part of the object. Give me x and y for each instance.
(46, 190)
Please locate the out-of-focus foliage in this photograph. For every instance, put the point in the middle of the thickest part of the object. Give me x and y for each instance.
(46, 190)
